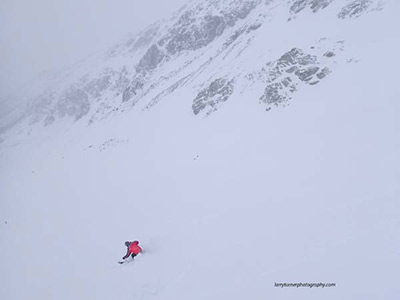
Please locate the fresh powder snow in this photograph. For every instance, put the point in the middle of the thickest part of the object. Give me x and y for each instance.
(242, 143)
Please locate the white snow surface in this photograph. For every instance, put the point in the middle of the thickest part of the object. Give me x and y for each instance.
(225, 205)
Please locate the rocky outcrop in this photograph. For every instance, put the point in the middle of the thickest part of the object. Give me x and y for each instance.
(204, 40)
(191, 33)
(285, 74)
(74, 103)
(151, 59)
(217, 92)
(314, 5)
(97, 86)
(132, 89)
(354, 9)
(188, 37)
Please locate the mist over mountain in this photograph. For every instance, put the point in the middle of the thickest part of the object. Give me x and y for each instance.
(213, 49)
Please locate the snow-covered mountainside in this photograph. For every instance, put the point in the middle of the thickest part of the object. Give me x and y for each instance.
(243, 143)
(214, 49)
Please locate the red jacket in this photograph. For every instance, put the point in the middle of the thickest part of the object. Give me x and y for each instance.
(133, 248)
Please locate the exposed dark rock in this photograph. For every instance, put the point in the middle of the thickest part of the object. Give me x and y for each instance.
(275, 93)
(297, 56)
(191, 33)
(298, 6)
(315, 5)
(121, 82)
(291, 69)
(192, 37)
(95, 87)
(240, 31)
(218, 91)
(354, 9)
(306, 74)
(151, 59)
(240, 12)
(74, 103)
(322, 74)
(234, 36)
(329, 54)
(253, 27)
(132, 89)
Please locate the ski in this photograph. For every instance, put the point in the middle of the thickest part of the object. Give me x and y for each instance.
(125, 261)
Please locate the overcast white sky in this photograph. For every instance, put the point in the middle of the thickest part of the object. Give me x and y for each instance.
(43, 35)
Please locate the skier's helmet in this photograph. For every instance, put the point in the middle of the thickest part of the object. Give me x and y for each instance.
(127, 243)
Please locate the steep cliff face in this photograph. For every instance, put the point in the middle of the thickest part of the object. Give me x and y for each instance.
(212, 48)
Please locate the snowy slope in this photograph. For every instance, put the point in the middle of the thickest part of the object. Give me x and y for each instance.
(213, 48)
(232, 176)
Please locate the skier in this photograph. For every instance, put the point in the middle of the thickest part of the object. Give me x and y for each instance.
(133, 248)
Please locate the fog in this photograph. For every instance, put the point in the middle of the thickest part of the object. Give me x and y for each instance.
(45, 35)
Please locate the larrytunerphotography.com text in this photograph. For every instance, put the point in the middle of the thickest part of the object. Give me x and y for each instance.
(304, 285)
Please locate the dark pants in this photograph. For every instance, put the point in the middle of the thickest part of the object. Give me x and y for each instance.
(133, 255)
